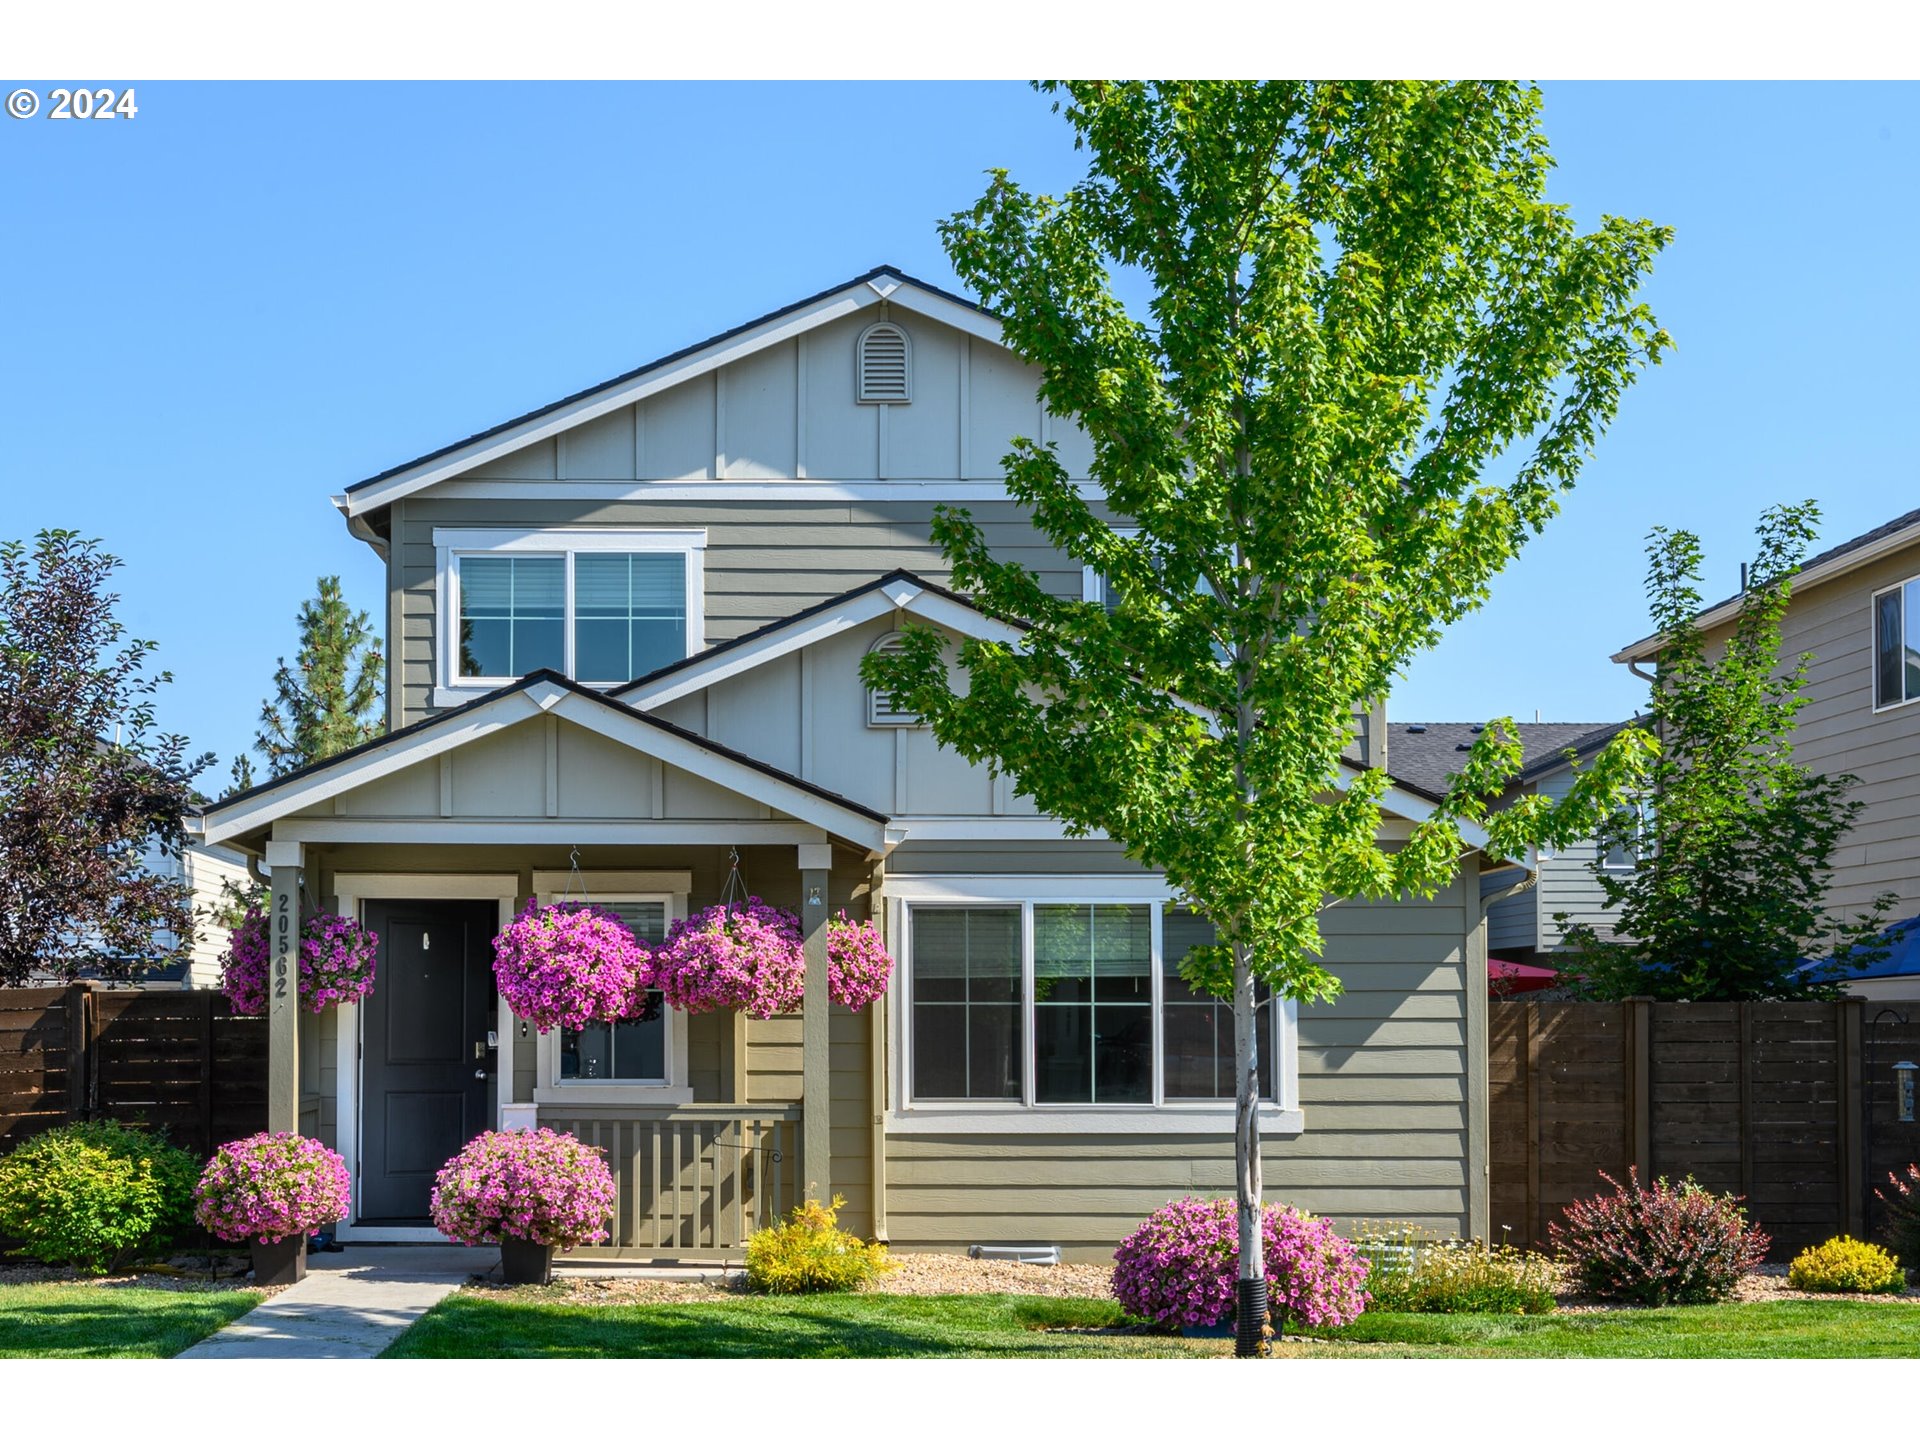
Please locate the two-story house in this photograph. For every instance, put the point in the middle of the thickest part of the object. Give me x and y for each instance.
(1856, 609)
(626, 630)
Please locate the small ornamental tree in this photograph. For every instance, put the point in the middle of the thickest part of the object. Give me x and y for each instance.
(88, 787)
(1358, 299)
(1734, 842)
(328, 699)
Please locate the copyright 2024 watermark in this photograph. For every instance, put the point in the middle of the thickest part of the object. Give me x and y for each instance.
(80, 102)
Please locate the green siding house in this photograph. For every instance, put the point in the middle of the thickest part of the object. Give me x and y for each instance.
(625, 633)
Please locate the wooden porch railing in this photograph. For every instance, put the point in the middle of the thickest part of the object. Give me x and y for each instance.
(692, 1179)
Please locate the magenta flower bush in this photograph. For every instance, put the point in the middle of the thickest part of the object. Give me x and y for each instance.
(336, 962)
(1179, 1268)
(720, 958)
(537, 1185)
(568, 966)
(858, 965)
(270, 1187)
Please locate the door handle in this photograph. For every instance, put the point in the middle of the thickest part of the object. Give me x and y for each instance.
(480, 1074)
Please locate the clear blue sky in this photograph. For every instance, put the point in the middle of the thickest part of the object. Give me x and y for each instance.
(220, 313)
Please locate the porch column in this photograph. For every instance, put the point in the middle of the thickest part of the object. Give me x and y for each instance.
(283, 987)
(816, 1123)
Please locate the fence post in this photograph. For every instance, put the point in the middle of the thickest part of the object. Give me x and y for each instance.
(207, 1075)
(79, 1052)
(1530, 1071)
(1853, 1158)
(1743, 1014)
(1638, 1024)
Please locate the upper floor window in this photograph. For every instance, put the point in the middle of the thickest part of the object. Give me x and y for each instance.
(1896, 644)
(1095, 587)
(602, 606)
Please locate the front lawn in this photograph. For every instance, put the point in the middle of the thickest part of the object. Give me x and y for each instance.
(1007, 1326)
(68, 1319)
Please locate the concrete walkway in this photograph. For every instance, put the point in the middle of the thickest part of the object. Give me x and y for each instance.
(350, 1306)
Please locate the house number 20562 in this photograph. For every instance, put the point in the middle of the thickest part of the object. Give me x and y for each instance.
(282, 943)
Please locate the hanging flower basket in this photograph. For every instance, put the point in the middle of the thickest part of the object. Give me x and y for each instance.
(569, 966)
(751, 957)
(724, 957)
(858, 965)
(336, 962)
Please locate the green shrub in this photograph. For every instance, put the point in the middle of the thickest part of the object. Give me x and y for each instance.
(95, 1195)
(1846, 1266)
(1416, 1271)
(810, 1252)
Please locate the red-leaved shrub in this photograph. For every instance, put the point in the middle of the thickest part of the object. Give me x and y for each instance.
(1902, 1199)
(1671, 1245)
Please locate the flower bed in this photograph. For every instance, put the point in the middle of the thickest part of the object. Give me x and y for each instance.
(569, 966)
(271, 1187)
(1664, 1245)
(337, 957)
(540, 1186)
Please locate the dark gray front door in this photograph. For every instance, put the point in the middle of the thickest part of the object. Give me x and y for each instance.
(424, 1060)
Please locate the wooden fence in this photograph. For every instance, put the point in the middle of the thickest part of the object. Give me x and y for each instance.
(1771, 1101)
(177, 1060)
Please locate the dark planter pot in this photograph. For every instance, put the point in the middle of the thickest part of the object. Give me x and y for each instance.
(280, 1262)
(522, 1262)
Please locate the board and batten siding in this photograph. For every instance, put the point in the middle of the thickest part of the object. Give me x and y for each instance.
(1394, 1130)
(1838, 732)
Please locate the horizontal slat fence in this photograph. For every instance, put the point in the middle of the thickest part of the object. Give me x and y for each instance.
(1774, 1102)
(694, 1179)
(172, 1060)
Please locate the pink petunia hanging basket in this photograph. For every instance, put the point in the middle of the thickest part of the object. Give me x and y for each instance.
(751, 957)
(336, 962)
(569, 966)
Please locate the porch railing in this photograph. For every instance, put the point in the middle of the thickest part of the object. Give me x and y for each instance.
(692, 1179)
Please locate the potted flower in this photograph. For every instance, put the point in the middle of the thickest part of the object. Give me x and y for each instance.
(858, 965)
(567, 966)
(336, 962)
(747, 957)
(271, 1192)
(526, 1191)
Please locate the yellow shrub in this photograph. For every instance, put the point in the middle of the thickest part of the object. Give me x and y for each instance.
(1848, 1265)
(810, 1252)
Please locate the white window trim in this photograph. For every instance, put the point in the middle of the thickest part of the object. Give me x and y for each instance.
(1093, 585)
(1873, 645)
(451, 688)
(1281, 1116)
(671, 888)
(1639, 840)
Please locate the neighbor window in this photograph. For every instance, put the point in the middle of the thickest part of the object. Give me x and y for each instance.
(1627, 856)
(603, 607)
(1896, 644)
(1055, 1004)
(630, 1052)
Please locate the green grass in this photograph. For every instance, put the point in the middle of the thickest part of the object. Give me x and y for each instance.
(824, 1326)
(71, 1319)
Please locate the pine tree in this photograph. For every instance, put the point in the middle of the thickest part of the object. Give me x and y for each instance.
(328, 700)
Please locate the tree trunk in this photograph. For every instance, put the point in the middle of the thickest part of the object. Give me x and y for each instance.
(1251, 1291)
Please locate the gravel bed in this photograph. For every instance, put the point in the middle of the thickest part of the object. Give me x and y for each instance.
(1769, 1284)
(157, 1278)
(913, 1275)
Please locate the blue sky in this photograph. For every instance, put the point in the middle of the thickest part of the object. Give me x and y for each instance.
(221, 312)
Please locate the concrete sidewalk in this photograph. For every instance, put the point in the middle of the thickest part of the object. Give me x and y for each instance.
(349, 1306)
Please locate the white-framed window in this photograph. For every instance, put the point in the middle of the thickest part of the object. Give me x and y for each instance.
(638, 1061)
(1095, 588)
(1623, 858)
(1896, 644)
(1041, 1003)
(600, 606)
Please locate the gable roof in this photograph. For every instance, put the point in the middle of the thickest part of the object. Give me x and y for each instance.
(883, 282)
(1896, 534)
(1428, 754)
(538, 693)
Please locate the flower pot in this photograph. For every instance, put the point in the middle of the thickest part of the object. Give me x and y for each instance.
(525, 1262)
(279, 1262)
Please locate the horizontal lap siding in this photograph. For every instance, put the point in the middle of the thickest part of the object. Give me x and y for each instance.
(764, 561)
(1384, 1079)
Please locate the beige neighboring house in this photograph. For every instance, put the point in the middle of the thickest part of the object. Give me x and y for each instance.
(206, 869)
(1856, 609)
(625, 630)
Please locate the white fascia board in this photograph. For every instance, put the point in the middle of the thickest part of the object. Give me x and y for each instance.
(497, 714)
(1647, 647)
(930, 489)
(380, 830)
(741, 658)
(911, 297)
(1417, 808)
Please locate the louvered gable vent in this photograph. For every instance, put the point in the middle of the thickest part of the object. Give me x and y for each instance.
(884, 361)
(881, 710)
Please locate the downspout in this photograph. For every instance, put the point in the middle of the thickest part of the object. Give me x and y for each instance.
(877, 1092)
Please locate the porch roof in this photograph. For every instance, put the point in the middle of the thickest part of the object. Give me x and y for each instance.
(245, 819)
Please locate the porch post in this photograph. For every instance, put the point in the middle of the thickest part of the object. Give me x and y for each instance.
(283, 987)
(816, 1122)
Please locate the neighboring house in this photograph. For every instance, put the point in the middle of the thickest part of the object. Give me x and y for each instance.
(208, 870)
(1522, 926)
(1856, 609)
(627, 628)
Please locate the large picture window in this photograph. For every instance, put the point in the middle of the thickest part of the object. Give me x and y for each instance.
(1896, 644)
(603, 607)
(1064, 1004)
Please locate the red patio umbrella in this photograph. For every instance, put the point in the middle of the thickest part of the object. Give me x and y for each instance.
(1513, 978)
